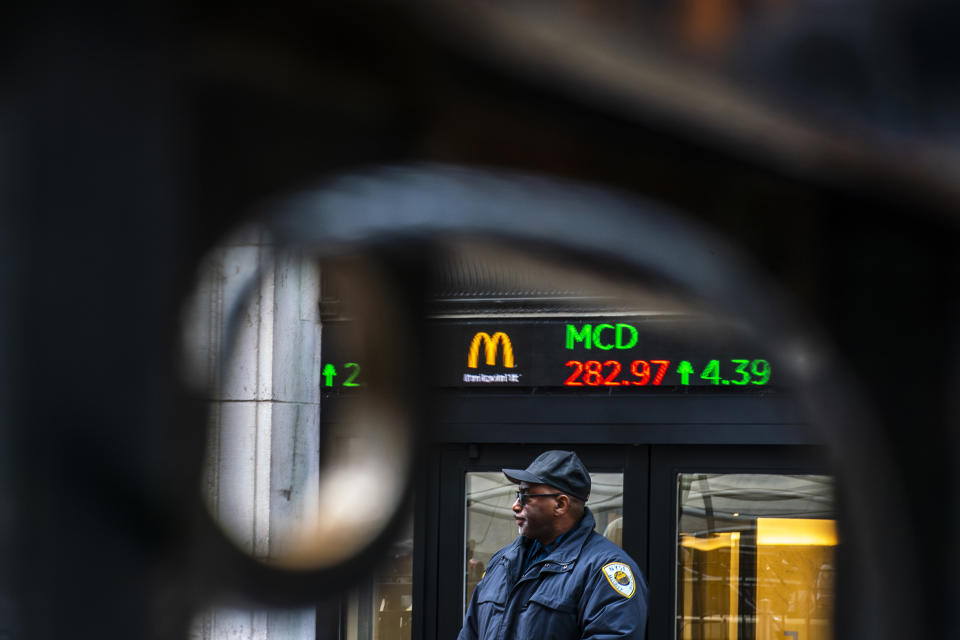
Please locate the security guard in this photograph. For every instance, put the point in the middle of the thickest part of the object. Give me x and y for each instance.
(560, 579)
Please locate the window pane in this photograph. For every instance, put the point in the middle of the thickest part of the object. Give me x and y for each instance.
(490, 525)
(755, 557)
(381, 608)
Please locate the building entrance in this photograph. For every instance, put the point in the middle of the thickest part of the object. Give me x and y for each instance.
(703, 467)
(736, 543)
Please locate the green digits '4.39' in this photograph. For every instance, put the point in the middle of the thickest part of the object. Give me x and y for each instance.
(744, 372)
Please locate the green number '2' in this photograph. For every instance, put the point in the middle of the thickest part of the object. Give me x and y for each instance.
(349, 382)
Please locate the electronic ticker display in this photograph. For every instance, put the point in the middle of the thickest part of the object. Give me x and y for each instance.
(632, 354)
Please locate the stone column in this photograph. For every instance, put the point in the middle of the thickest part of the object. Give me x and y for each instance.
(263, 458)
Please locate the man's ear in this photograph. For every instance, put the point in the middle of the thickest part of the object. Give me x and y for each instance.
(563, 504)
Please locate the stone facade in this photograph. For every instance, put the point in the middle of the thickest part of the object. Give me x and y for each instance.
(263, 465)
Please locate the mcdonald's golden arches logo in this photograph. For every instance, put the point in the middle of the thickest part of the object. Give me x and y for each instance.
(490, 344)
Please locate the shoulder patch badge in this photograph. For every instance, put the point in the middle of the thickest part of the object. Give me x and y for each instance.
(620, 578)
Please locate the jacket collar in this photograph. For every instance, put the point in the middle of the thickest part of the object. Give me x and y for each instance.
(569, 549)
(570, 546)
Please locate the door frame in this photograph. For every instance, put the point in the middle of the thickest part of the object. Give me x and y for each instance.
(666, 461)
(458, 460)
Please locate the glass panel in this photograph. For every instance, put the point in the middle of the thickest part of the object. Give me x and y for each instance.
(381, 609)
(490, 524)
(755, 557)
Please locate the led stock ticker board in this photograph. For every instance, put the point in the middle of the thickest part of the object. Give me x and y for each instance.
(628, 354)
(652, 367)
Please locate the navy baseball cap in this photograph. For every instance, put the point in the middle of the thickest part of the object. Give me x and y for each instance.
(560, 469)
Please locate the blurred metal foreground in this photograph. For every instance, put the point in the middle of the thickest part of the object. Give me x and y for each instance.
(131, 138)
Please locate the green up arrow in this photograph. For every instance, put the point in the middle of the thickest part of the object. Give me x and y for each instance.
(329, 371)
(684, 369)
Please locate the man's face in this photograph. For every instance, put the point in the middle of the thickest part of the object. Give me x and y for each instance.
(535, 519)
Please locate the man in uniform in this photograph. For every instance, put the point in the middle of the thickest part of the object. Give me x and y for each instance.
(560, 579)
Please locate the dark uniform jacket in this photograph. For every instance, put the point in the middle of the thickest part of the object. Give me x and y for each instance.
(587, 588)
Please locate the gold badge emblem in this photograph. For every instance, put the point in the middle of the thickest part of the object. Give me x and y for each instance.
(620, 578)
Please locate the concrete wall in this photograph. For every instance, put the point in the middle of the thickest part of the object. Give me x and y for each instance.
(263, 467)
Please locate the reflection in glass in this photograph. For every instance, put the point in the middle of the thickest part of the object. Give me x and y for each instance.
(490, 525)
(755, 557)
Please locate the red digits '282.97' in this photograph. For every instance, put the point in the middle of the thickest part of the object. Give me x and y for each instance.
(593, 373)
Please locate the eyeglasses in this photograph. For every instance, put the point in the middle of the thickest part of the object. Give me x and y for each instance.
(524, 497)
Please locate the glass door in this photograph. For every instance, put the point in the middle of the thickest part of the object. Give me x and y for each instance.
(478, 519)
(753, 534)
(381, 606)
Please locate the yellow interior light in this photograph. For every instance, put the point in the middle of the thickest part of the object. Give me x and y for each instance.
(715, 541)
(797, 532)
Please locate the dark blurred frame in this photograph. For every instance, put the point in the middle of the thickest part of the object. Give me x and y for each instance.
(134, 137)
